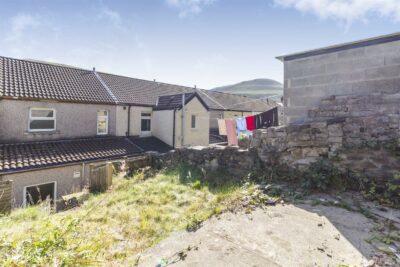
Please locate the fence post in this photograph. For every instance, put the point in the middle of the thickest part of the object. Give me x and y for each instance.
(5, 196)
(109, 174)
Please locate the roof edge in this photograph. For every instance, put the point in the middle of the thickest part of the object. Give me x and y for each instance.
(344, 46)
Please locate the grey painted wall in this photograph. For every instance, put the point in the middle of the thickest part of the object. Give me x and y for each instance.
(365, 70)
(63, 176)
(72, 120)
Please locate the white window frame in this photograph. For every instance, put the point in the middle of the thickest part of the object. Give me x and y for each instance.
(54, 195)
(145, 133)
(97, 124)
(54, 118)
(195, 121)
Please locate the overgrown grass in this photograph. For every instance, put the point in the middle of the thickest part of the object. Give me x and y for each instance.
(111, 228)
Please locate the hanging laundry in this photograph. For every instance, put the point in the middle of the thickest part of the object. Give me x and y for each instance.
(221, 127)
(231, 132)
(269, 118)
(257, 121)
(250, 123)
(241, 124)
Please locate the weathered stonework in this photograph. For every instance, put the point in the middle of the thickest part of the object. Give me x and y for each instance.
(360, 133)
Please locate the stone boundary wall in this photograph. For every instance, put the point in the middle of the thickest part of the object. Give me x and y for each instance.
(359, 134)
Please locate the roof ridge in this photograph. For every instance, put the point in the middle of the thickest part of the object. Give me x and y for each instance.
(53, 64)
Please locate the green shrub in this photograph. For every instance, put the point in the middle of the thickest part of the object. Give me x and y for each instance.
(322, 176)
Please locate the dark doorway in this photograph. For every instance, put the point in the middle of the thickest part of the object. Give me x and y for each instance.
(38, 193)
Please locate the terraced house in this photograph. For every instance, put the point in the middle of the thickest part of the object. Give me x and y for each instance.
(58, 122)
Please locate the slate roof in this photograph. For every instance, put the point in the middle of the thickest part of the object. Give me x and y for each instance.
(27, 79)
(142, 92)
(151, 144)
(36, 155)
(24, 156)
(34, 80)
(240, 103)
(169, 102)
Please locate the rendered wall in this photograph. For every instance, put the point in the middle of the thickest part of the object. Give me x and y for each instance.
(365, 70)
(72, 120)
(135, 120)
(63, 176)
(192, 137)
(163, 121)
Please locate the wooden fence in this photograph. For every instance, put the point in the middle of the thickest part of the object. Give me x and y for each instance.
(5, 196)
(100, 177)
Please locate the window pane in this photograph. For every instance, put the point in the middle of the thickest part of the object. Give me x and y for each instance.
(146, 114)
(42, 113)
(102, 125)
(41, 125)
(193, 121)
(146, 125)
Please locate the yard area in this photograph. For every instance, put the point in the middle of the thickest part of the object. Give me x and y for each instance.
(172, 218)
(111, 227)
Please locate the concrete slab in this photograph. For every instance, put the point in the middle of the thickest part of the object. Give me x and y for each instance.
(284, 235)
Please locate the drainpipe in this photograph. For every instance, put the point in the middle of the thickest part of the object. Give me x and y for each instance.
(173, 131)
(183, 119)
(128, 133)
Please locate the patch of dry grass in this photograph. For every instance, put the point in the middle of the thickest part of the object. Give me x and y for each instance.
(110, 228)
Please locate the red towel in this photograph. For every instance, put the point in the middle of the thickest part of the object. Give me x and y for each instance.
(250, 123)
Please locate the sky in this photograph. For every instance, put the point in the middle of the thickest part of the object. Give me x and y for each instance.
(207, 43)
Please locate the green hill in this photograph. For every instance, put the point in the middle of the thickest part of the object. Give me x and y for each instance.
(258, 88)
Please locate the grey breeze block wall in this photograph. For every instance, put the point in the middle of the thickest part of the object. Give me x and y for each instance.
(72, 120)
(357, 71)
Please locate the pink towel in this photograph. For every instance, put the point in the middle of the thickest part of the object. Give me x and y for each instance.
(231, 132)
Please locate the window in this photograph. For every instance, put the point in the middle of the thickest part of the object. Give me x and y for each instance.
(102, 122)
(42, 119)
(36, 194)
(146, 122)
(193, 122)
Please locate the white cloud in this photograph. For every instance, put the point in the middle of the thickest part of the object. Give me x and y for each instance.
(346, 11)
(113, 16)
(188, 7)
(21, 23)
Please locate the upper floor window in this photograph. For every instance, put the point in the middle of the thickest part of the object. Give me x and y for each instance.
(193, 122)
(102, 122)
(42, 119)
(146, 122)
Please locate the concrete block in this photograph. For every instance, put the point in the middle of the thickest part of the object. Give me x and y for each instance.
(383, 72)
(352, 53)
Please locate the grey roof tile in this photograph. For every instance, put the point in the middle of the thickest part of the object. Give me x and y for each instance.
(33, 155)
(34, 80)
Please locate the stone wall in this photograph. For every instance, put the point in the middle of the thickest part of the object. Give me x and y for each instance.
(361, 134)
(231, 159)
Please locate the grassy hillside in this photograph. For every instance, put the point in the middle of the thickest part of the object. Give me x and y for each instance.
(257, 88)
(111, 228)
